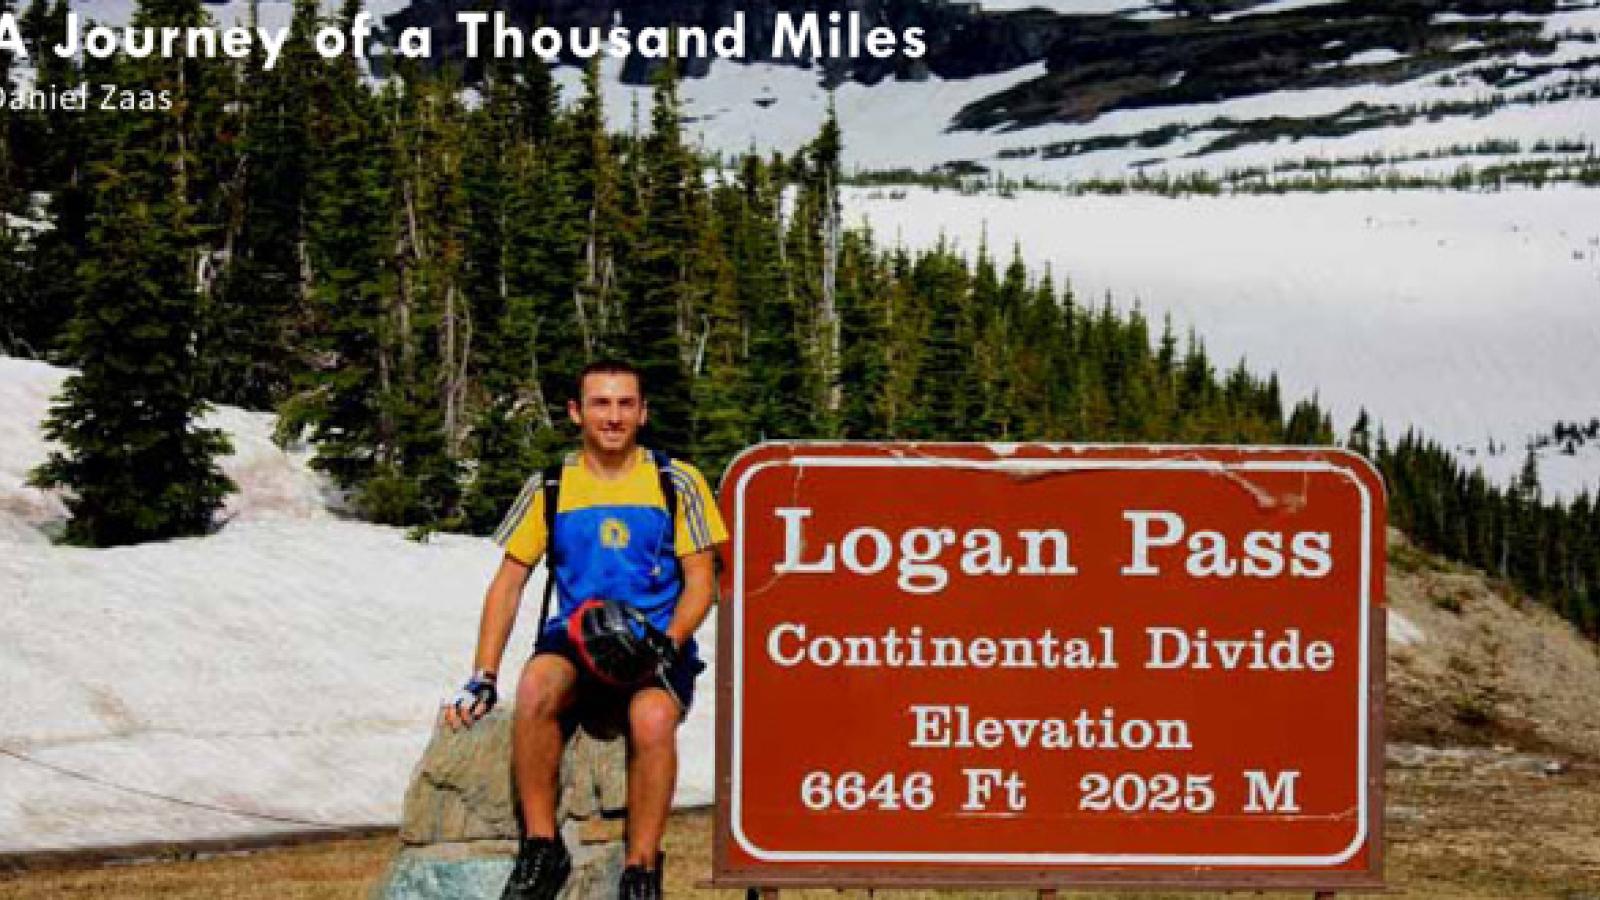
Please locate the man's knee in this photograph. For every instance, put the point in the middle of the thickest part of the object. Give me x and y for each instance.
(653, 720)
(545, 689)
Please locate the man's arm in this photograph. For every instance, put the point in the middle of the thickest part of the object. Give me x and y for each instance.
(500, 604)
(699, 579)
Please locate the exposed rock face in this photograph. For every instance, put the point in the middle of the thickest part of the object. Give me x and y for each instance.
(459, 824)
(461, 789)
(962, 40)
(1182, 52)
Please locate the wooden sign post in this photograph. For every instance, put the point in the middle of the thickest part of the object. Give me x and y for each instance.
(1047, 666)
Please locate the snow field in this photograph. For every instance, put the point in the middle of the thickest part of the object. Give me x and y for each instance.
(288, 666)
(1471, 316)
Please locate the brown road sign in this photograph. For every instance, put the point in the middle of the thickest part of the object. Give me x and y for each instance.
(1039, 664)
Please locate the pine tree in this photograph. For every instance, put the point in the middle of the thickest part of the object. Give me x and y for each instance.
(596, 193)
(944, 371)
(782, 402)
(418, 483)
(343, 399)
(1360, 439)
(9, 192)
(812, 266)
(722, 390)
(251, 329)
(535, 348)
(52, 149)
(658, 279)
(134, 464)
(863, 297)
(11, 267)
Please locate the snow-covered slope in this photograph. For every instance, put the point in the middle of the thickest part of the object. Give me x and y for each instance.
(1547, 103)
(1471, 316)
(287, 668)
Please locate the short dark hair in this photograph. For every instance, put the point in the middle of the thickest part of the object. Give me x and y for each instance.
(606, 366)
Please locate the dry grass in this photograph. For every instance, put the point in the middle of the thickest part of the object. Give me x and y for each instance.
(320, 872)
(1493, 668)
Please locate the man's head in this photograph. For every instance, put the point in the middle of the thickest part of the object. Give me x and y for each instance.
(609, 408)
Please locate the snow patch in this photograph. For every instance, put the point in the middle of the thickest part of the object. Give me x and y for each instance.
(288, 666)
(1402, 631)
(1275, 6)
(1069, 7)
(272, 483)
(1375, 57)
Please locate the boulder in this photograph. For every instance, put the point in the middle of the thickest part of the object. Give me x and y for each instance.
(459, 824)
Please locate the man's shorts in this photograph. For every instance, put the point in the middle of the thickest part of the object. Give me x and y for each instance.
(679, 680)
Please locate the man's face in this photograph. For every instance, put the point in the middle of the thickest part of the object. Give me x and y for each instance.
(610, 412)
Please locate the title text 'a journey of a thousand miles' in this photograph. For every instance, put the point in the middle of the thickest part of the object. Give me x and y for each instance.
(812, 35)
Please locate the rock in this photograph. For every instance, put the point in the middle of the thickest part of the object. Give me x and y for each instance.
(461, 789)
(477, 869)
(459, 824)
(1408, 756)
(1399, 813)
(1402, 632)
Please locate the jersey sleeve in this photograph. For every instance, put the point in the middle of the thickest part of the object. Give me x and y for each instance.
(522, 532)
(699, 526)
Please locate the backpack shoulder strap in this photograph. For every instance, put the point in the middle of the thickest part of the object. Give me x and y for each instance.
(668, 491)
(552, 500)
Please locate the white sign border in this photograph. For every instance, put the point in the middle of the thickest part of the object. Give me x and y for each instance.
(1037, 465)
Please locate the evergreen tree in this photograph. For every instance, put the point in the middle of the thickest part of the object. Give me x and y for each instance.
(1361, 434)
(536, 348)
(864, 294)
(812, 265)
(344, 397)
(417, 482)
(11, 202)
(722, 391)
(944, 372)
(783, 404)
(56, 147)
(1307, 424)
(985, 401)
(596, 193)
(9, 189)
(661, 260)
(134, 464)
(251, 329)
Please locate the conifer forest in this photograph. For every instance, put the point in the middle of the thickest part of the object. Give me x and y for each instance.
(410, 272)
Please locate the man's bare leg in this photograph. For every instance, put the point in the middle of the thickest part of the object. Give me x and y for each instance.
(652, 772)
(546, 691)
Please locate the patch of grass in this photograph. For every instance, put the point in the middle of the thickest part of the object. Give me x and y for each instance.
(1410, 560)
(1451, 601)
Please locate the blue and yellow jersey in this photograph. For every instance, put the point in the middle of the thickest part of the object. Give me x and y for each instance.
(612, 536)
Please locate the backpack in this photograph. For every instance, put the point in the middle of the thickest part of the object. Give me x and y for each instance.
(552, 500)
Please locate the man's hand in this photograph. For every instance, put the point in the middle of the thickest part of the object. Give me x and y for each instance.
(472, 702)
(663, 646)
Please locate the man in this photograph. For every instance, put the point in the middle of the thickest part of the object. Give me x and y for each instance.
(612, 539)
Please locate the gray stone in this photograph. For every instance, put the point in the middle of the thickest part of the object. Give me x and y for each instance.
(461, 789)
(459, 826)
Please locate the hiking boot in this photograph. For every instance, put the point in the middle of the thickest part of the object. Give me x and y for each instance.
(639, 883)
(541, 869)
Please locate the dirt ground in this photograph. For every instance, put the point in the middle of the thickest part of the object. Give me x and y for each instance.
(1462, 823)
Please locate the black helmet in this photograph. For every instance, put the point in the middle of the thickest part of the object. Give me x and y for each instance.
(610, 638)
